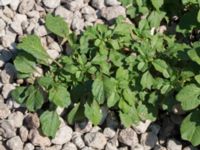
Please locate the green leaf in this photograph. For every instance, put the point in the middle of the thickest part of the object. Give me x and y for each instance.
(71, 117)
(147, 80)
(59, 95)
(190, 128)
(49, 123)
(45, 82)
(34, 99)
(129, 96)
(125, 119)
(98, 90)
(197, 78)
(93, 112)
(162, 67)
(189, 97)
(157, 3)
(194, 55)
(198, 16)
(18, 94)
(25, 63)
(32, 45)
(57, 25)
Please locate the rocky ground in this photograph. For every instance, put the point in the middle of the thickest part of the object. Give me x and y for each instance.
(19, 129)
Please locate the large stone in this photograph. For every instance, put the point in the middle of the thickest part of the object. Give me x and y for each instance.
(148, 140)
(74, 5)
(95, 140)
(128, 137)
(98, 4)
(16, 119)
(110, 13)
(8, 74)
(112, 2)
(51, 3)
(142, 126)
(5, 2)
(26, 6)
(7, 130)
(4, 111)
(173, 145)
(23, 132)
(32, 121)
(63, 135)
(64, 13)
(69, 146)
(15, 143)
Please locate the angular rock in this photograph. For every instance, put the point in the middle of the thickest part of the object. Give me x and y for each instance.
(109, 146)
(15, 143)
(110, 13)
(8, 12)
(88, 148)
(51, 3)
(137, 147)
(77, 22)
(95, 140)
(112, 2)
(89, 14)
(64, 13)
(109, 133)
(37, 139)
(83, 127)
(32, 121)
(40, 30)
(8, 41)
(5, 2)
(4, 111)
(148, 140)
(23, 132)
(173, 145)
(29, 146)
(26, 6)
(75, 5)
(69, 146)
(7, 88)
(159, 147)
(7, 130)
(98, 4)
(63, 135)
(8, 74)
(16, 119)
(14, 5)
(142, 126)
(123, 148)
(2, 147)
(128, 137)
(155, 128)
(54, 147)
(77, 140)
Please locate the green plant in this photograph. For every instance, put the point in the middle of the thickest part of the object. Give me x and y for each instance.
(124, 67)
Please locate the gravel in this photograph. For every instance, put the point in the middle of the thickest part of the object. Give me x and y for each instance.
(20, 129)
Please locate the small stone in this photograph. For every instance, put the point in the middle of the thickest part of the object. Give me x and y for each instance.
(16, 119)
(83, 127)
(97, 4)
(95, 140)
(114, 141)
(95, 129)
(190, 148)
(137, 147)
(5, 2)
(8, 74)
(54, 54)
(23, 132)
(128, 137)
(148, 140)
(109, 133)
(40, 30)
(32, 121)
(4, 111)
(78, 141)
(20, 18)
(14, 5)
(7, 130)
(110, 13)
(109, 146)
(15, 143)
(64, 13)
(63, 135)
(75, 5)
(2, 24)
(69, 146)
(112, 2)
(88, 148)
(2, 147)
(8, 12)
(8, 41)
(173, 145)
(54, 147)
(29, 146)
(123, 148)
(89, 14)
(37, 139)
(51, 3)
(142, 126)
(26, 6)
(77, 22)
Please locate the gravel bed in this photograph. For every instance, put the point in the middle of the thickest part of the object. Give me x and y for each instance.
(19, 129)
